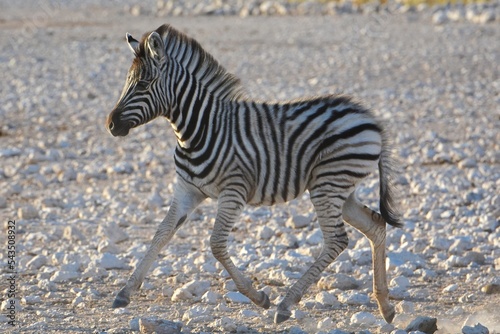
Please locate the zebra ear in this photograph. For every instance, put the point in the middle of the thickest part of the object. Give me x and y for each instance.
(133, 44)
(155, 46)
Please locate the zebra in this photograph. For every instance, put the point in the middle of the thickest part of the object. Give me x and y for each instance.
(244, 152)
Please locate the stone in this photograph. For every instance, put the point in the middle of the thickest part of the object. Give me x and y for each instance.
(31, 300)
(159, 326)
(439, 17)
(112, 232)
(110, 261)
(451, 288)
(28, 212)
(210, 297)
(249, 314)
(64, 276)
(236, 297)
(264, 233)
(73, 234)
(405, 307)
(400, 281)
(363, 319)
(423, 324)
(298, 221)
(326, 299)
(325, 324)
(353, 298)
(476, 329)
(37, 262)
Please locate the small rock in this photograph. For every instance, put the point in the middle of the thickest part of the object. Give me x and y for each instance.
(401, 282)
(249, 314)
(64, 276)
(405, 307)
(111, 261)
(423, 324)
(31, 300)
(195, 312)
(439, 17)
(181, 294)
(326, 298)
(451, 288)
(134, 324)
(159, 326)
(73, 234)
(236, 297)
(298, 314)
(3, 202)
(353, 298)
(28, 212)
(363, 318)
(112, 232)
(264, 232)
(325, 324)
(210, 297)
(37, 262)
(476, 329)
(344, 282)
(228, 324)
(298, 221)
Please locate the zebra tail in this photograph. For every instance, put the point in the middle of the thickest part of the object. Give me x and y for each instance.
(386, 166)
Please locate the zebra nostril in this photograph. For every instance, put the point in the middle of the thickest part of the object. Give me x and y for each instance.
(111, 125)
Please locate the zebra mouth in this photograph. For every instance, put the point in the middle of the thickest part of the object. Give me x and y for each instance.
(117, 130)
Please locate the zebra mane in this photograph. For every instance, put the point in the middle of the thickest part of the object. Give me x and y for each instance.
(189, 54)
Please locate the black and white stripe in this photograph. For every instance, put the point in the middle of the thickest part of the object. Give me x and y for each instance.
(242, 151)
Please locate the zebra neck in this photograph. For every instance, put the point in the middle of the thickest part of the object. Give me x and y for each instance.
(194, 119)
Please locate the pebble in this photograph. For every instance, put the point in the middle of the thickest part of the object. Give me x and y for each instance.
(112, 232)
(159, 326)
(363, 319)
(110, 261)
(298, 221)
(353, 298)
(236, 297)
(73, 234)
(326, 298)
(64, 276)
(476, 329)
(210, 297)
(37, 262)
(264, 233)
(423, 324)
(451, 288)
(28, 212)
(325, 324)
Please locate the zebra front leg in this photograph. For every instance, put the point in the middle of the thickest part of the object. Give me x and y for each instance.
(229, 208)
(328, 209)
(186, 198)
(372, 225)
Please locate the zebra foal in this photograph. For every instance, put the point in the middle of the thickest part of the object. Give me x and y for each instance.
(241, 152)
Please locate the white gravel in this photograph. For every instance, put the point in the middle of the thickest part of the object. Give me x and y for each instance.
(86, 205)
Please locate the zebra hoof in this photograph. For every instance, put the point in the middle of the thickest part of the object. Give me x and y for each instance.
(121, 300)
(389, 314)
(281, 315)
(265, 302)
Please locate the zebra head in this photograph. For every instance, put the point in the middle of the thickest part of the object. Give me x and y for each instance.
(142, 98)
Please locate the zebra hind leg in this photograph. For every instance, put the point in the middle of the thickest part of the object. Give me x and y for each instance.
(373, 226)
(328, 204)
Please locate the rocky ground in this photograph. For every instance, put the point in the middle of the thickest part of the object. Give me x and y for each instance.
(86, 204)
